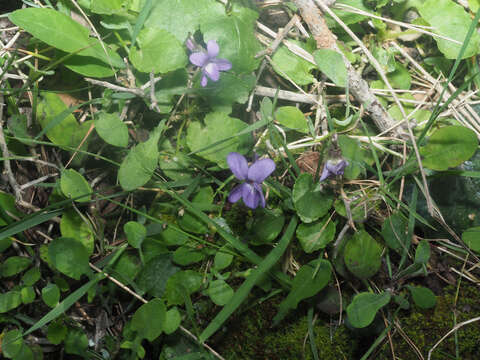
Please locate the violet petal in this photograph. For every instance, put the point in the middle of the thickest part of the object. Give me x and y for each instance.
(238, 165)
(199, 59)
(260, 170)
(212, 48)
(204, 81)
(211, 70)
(250, 196)
(258, 189)
(223, 64)
(236, 193)
(325, 173)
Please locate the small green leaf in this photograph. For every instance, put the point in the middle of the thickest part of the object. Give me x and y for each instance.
(138, 166)
(31, 276)
(186, 255)
(222, 259)
(51, 295)
(14, 265)
(451, 20)
(394, 232)
(28, 294)
(331, 64)
(362, 255)
(111, 129)
(423, 297)
(173, 319)
(220, 292)
(364, 307)
(471, 237)
(149, 319)
(157, 50)
(136, 233)
(73, 184)
(422, 254)
(56, 332)
(448, 147)
(74, 226)
(309, 280)
(154, 275)
(292, 118)
(10, 300)
(12, 343)
(267, 227)
(284, 62)
(181, 284)
(315, 236)
(69, 256)
(218, 126)
(310, 202)
(76, 342)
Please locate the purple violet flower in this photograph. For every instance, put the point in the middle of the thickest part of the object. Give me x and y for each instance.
(211, 66)
(251, 189)
(333, 168)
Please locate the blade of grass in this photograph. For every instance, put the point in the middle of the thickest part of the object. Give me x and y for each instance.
(141, 21)
(311, 334)
(411, 226)
(241, 294)
(28, 222)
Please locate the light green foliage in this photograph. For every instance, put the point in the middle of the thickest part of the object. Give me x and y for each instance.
(292, 118)
(28, 294)
(76, 342)
(202, 199)
(451, 20)
(423, 297)
(218, 126)
(173, 318)
(56, 332)
(69, 256)
(138, 166)
(135, 232)
(182, 284)
(331, 64)
(310, 201)
(448, 147)
(267, 226)
(356, 156)
(14, 265)
(73, 185)
(10, 300)
(51, 295)
(149, 319)
(362, 255)
(316, 235)
(220, 292)
(10, 346)
(364, 307)
(394, 233)
(471, 237)
(72, 225)
(111, 129)
(59, 126)
(158, 51)
(284, 62)
(309, 280)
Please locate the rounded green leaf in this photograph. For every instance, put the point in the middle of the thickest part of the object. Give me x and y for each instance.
(14, 265)
(292, 118)
(331, 64)
(448, 147)
(173, 319)
(267, 227)
(451, 20)
(223, 258)
(51, 295)
(68, 256)
(154, 275)
(202, 140)
(362, 255)
(10, 300)
(135, 232)
(364, 307)
(315, 236)
(149, 319)
(471, 237)
(73, 184)
(285, 62)
(423, 297)
(12, 343)
(140, 163)
(186, 255)
(56, 332)
(74, 226)
(422, 253)
(394, 232)
(31, 276)
(112, 129)
(28, 294)
(76, 342)
(220, 292)
(310, 201)
(157, 50)
(182, 284)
